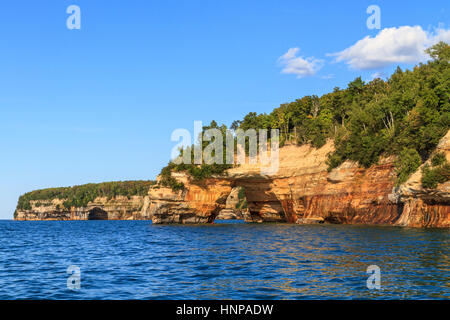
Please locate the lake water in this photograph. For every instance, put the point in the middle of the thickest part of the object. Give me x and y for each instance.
(138, 260)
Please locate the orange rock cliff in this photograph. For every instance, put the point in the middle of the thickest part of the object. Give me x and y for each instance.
(301, 191)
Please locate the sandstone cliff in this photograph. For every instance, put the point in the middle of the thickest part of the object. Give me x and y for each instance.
(117, 208)
(199, 202)
(424, 207)
(303, 191)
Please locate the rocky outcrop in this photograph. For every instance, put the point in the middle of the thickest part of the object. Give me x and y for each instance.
(425, 207)
(301, 191)
(198, 202)
(118, 208)
(304, 192)
(233, 206)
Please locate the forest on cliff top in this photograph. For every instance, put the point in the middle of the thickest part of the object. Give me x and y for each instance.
(405, 116)
(80, 196)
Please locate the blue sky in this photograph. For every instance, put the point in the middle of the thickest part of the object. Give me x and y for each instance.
(100, 103)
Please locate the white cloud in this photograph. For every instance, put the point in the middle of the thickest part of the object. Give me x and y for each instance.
(300, 66)
(378, 74)
(328, 76)
(390, 46)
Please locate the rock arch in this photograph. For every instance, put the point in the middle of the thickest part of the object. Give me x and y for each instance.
(263, 203)
(235, 206)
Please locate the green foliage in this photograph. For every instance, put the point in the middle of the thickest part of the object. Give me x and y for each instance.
(242, 204)
(241, 193)
(438, 159)
(167, 180)
(196, 171)
(431, 177)
(207, 170)
(80, 196)
(439, 52)
(407, 162)
(333, 161)
(438, 172)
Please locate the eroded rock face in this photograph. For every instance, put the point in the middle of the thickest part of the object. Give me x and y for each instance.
(301, 191)
(118, 208)
(232, 210)
(304, 192)
(424, 207)
(199, 202)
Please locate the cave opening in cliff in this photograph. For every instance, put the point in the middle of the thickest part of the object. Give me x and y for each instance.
(235, 207)
(97, 214)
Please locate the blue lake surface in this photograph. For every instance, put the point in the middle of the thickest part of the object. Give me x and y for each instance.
(138, 260)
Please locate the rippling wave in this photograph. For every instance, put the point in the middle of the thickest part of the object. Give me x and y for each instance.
(138, 260)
